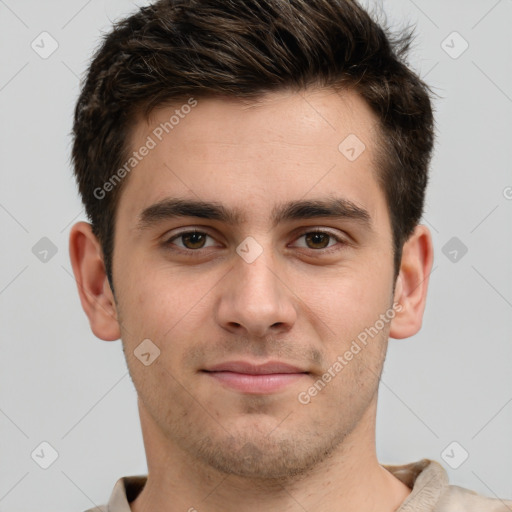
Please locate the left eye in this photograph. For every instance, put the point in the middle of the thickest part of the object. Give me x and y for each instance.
(318, 239)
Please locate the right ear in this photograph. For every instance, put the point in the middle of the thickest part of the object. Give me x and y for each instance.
(93, 287)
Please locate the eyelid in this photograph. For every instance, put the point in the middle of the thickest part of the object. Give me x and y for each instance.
(168, 238)
(343, 240)
(317, 229)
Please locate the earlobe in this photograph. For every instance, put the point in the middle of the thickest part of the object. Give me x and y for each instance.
(93, 287)
(412, 283)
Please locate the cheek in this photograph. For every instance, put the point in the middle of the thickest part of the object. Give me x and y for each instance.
(164, 305)
(144, 306)
(350, 301)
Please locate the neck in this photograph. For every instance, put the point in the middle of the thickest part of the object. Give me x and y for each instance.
(350, 479)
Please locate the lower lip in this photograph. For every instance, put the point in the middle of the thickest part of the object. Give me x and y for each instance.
(256, 383)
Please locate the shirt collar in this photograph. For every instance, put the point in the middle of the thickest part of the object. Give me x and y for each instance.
(426, 478)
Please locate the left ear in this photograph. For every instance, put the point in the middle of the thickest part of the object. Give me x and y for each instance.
(412, 283)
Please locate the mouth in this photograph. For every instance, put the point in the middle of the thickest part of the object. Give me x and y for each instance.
(251, 378)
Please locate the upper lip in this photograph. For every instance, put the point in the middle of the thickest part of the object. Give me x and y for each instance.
(255, 369)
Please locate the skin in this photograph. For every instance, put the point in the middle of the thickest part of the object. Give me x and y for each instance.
(209, 446)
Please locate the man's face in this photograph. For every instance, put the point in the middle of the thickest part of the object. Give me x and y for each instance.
(253, 290)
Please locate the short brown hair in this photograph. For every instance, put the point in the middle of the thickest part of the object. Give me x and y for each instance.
(174, 49)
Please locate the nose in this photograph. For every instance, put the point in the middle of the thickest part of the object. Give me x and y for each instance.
(256, 299)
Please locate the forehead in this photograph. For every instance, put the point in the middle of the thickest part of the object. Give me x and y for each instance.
(316, 117)
(284, 146)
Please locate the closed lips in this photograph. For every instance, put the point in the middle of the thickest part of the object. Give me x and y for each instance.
(255, 369)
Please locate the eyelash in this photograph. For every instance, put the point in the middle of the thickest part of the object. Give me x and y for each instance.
(199, 252)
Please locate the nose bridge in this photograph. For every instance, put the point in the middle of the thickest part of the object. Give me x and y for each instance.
(256, 270)
(255, 298)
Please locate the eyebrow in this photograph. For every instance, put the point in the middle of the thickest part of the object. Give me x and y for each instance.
(335, 208)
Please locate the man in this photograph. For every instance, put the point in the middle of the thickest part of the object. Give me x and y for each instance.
(254, 172)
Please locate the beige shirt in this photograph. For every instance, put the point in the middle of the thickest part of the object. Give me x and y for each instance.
(427, 479)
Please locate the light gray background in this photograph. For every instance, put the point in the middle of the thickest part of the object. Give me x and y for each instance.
(59, 384)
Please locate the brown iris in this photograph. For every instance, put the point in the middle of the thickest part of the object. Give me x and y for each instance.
(318, 238)
(196, 240)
